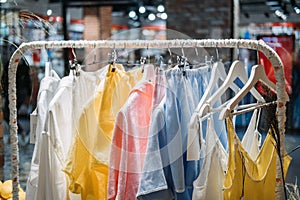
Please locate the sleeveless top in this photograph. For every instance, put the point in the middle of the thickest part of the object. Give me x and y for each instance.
(247, 178)
(209, 184)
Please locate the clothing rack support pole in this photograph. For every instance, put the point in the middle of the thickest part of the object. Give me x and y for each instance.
(282, 96)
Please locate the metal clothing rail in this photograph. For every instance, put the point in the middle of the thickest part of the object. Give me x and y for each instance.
(261, 46)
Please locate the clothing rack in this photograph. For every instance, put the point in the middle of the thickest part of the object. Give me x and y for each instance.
(258, 45)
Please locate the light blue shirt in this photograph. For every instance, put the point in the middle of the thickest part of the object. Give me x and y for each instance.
(167, 174)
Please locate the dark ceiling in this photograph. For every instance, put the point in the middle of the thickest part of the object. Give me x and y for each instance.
(264, 10)
(257, 11)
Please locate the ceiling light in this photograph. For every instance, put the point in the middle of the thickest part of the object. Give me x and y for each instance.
(49, 12)
(278, 13)
(3, 1)
(272, 3)
(151, 17)
(297, 10)
(164, 16)
(132, 14)
(160, 8)
(295, 6)
(142, 9)
(281, 15)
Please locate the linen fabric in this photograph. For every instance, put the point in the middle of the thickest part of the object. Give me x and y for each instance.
(88, 160)
(46, 92)
(168, 138)
(129, 144)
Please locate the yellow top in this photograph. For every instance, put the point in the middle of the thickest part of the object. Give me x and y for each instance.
(88, 159)
(250, 179)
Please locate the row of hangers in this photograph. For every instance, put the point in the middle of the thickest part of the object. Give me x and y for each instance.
(218, 72)
(174, 60)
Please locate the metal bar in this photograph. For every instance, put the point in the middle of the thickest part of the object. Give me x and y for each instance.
(66, 36)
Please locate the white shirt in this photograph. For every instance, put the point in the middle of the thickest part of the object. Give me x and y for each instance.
(64, 111)
(46, 92)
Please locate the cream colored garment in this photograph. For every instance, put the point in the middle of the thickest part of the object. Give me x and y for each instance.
(209, 183)
(88, 159)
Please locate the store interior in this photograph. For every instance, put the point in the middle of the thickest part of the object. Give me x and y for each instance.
(276, 22)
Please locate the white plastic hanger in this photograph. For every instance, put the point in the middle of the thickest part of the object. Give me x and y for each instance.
(237, 70)
(217, 72)
(257, 74)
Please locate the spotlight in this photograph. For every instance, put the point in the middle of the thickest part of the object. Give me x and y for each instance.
(132, 14)
(295, 6)
(281, 15)
(297, 9)
(3, 1)
(49, 12)
(272, 3)
(151, 17)
(160, 8)
(142, 9)
(164, 16)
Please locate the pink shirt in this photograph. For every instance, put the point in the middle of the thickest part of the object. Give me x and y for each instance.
(129, 143)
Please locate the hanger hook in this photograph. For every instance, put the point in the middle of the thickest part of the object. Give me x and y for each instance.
(238, 50)
(47, 53)
(95, 56)
(147, 52)
(170, 54)
(114, 54)
(182, 51)
(169, 50)
(196, 51)
(73, 52)
(217, 52)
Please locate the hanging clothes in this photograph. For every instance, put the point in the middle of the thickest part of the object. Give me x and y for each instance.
(46, 92)
(244, 175)
(63, 111)
(183, 91)
(88, 160)
(209, 184)
(129, 143)
(196, 135)
(47, 182)
(153, 183)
